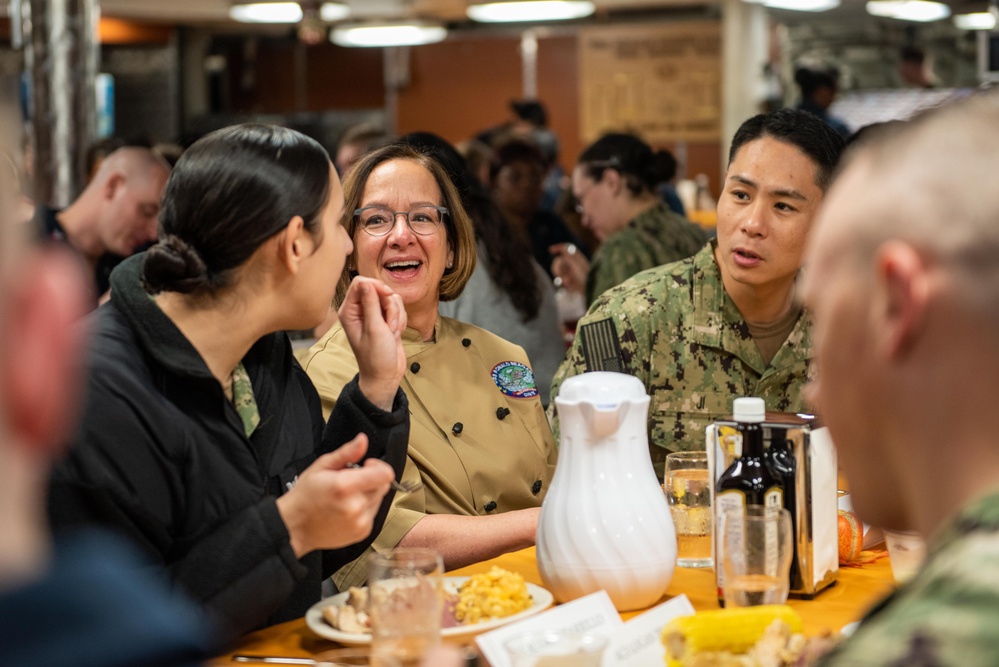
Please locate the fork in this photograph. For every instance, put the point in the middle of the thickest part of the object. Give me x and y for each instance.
(404, 487)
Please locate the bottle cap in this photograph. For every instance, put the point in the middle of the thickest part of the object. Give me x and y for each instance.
(751, 410)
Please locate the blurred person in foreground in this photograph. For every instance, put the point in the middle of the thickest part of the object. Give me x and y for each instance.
(202, 440)
(508, 294)
(616, 183)
(480, 442)
(114, 216)
(723, 323)
(80, 599)
(903, 283)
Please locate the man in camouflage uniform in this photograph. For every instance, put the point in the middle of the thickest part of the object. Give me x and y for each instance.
(723, 323)
(907, 349)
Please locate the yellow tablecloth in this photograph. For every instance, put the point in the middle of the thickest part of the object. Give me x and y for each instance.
(857, 589)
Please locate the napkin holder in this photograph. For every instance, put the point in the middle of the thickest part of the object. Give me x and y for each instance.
(812, 503)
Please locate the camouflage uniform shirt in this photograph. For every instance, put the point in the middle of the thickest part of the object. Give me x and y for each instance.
(946, 615)
(654, 237)
(675, 328)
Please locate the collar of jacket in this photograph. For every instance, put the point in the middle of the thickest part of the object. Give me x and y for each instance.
(157, 333)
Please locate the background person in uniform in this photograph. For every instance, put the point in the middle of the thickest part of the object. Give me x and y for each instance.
(115, 215)
(914, 69)
(819, 87)
(80, 600)
(903, 282)
(480, 442)
(202, 440)
(616, 183)
(723, 323)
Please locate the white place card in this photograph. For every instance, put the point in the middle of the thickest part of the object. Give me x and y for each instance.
(590, 614)
(638, 643)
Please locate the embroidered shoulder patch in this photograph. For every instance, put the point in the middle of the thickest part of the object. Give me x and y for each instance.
(514, 379)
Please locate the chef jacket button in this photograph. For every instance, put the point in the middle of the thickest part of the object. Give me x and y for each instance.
(536, 487)
(466, 342)
(415, 367)
(490, 506)
(501, 413)
(456, 429)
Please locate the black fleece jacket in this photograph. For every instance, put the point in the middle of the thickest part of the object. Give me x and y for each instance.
(161, 457)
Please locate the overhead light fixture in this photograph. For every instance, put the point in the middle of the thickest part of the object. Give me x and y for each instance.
(388, 33)
(333, 11)
(975, 21)
(909, 10)
(266, 12)
(514, 11)
(799, 5)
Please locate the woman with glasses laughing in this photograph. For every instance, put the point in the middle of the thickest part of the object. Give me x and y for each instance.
(479, 440)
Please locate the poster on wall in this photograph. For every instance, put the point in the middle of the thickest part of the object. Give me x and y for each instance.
(662, 82)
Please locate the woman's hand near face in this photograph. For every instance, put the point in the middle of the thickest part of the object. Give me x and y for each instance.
(373, 318)
(331, 507)
(570, 265)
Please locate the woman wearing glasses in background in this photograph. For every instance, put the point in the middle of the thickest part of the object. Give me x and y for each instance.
(479, 440)
(615, 184)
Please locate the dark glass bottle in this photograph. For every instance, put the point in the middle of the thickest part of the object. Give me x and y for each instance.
(750, 479)
(781, 458)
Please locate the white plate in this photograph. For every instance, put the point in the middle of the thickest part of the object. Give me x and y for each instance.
(540, 598)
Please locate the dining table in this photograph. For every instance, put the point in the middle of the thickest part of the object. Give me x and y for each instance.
(857, 588)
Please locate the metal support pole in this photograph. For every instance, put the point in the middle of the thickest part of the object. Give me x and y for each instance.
(61, 55)
(529, 64)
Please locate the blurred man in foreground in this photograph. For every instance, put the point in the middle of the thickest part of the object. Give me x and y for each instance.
(115, 215)
(903, 282)
(78, 601)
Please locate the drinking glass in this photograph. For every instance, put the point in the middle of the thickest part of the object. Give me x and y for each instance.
(906, 552)
(553, 648)
(404, 602)
(688, 491)
(756, 548)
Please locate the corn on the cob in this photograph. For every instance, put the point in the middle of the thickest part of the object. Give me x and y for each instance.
(732, 630)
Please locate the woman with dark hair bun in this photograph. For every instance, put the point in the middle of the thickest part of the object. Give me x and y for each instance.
(202, 439)
(615, 184)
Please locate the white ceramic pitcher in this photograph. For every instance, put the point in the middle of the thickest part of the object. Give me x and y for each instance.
(605, 523)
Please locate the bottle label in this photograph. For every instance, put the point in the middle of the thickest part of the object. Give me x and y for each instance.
(774, 497)
(735, 534)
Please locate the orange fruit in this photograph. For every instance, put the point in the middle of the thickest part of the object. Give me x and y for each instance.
(851, 537)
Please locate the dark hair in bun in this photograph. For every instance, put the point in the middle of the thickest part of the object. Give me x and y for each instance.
(643, 168)
(230, 192)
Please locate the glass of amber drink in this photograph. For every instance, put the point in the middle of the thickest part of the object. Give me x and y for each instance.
(688, 492)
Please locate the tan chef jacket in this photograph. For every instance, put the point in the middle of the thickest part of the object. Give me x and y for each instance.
(479, 439)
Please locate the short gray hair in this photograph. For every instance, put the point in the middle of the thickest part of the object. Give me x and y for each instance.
(934, 177)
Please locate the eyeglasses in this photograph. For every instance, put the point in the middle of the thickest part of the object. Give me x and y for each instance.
(612, 163)
(379, 221)
(581, 197)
